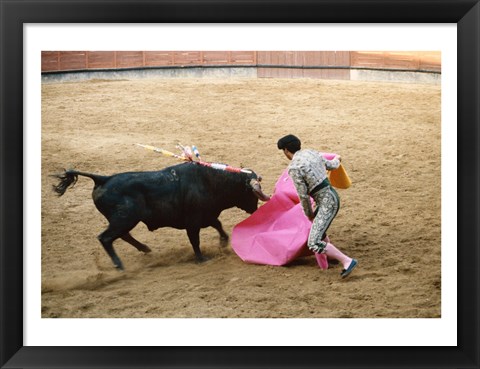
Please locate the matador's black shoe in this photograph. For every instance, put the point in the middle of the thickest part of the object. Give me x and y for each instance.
(346, 272)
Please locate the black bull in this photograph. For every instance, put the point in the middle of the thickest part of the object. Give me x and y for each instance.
(185, 196)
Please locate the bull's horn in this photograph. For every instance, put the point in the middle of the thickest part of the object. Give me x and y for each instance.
(257, 190)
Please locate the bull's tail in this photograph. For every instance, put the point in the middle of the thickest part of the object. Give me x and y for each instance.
(69, 177)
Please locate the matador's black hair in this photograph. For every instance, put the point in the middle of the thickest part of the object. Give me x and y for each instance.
(290, 142)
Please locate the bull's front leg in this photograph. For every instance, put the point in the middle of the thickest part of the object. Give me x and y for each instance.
(223, 235)
(194, 237)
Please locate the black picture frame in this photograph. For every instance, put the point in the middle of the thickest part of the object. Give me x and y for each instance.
(15, 13)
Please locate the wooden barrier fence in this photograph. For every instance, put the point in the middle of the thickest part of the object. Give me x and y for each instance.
(281, 64)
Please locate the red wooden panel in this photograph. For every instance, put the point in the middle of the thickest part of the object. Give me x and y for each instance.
(286, 58)
(216, 57)
(269, 58)
(431, 61)
(129, 59)
(289, 72)
(280, 73)
(320, 58)
(100, 59)
(263, 57)
(339, 74)
(343, 58)
(158, 58)
(304, 58)
(331, 58)
(298, 58)
(187, 57)
(243, 57)
(401, 60)
(71, 60)
(327, 58)
(367, 59)
(50, 60)
(314, 58)
(324, 58)
(413, 60)
(278, 57)
(410, 60)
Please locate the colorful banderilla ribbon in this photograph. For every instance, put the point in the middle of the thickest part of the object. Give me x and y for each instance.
(186, 152)
(162, 151)
(187, 156)
(195, 151)
(225, 167)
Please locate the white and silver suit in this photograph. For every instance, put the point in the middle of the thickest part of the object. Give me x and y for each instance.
(308, 170)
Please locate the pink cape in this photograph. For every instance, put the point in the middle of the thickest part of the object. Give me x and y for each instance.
(277, 233)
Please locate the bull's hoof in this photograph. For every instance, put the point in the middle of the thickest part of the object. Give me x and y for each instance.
(119, 266)
(223, 241)
(145, 249)
(202, 259)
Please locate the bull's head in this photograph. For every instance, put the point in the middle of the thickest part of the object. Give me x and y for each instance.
(257, 189)
(252, 193)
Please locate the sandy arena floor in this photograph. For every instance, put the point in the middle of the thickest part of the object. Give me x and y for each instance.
(387, 133)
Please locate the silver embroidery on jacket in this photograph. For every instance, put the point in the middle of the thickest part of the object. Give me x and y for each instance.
(308, 169)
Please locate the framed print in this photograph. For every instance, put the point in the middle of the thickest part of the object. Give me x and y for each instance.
(33, 334)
